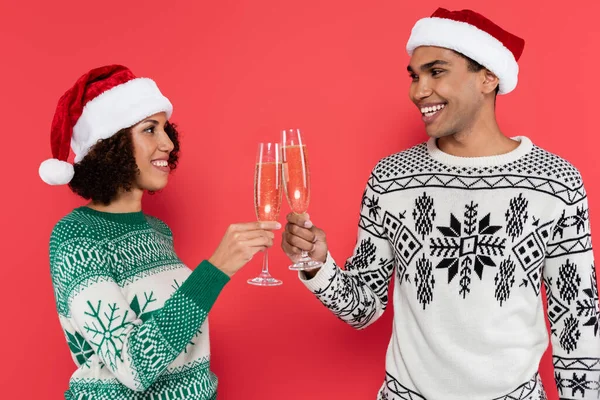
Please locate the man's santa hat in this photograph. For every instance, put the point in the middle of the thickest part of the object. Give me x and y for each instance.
(100, 104)
(474, 36)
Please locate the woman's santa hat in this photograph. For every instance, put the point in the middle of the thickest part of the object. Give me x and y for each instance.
(100, 104)
(474, 36)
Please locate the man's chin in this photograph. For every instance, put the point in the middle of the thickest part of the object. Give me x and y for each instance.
(432, 133)
(436, 133)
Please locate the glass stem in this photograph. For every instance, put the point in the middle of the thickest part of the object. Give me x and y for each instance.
(304, 255)
(265, 268)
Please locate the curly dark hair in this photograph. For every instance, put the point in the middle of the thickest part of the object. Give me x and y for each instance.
(110, 166)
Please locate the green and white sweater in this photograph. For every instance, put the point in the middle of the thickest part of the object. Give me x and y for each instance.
(134, 316)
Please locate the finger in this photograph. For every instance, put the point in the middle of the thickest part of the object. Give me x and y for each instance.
(289, 249)
(302, 233)
(298, 242)
(253, 226)
(250, 235)
(262, 241)
(269, 225)
(319, 234)
(302, 220)
(253, 250)
(293, 240)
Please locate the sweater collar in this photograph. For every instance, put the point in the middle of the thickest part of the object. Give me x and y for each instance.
(129, 218)
(525, 146)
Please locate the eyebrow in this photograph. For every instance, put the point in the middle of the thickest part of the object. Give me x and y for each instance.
(152, 121)
(429, 65)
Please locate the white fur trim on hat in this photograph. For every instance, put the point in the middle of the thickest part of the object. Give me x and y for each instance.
(470, 41)
(120, 107)
(56, 172)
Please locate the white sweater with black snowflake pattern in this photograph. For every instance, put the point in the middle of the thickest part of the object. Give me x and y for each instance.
(470, 241)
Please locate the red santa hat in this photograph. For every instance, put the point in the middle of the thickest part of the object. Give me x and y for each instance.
(474, 36)
(100, 104)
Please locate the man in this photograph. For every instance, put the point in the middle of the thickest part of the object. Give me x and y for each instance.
(472, 222)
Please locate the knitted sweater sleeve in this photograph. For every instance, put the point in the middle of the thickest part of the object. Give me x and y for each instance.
(358, 295)
(573, 310)
(136, 352)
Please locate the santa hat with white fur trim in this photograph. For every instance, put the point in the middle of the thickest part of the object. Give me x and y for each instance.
(100, 104)
(474, 36)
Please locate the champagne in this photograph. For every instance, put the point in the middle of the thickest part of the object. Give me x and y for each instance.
(267, 199)
(296, 177)
(267, 191)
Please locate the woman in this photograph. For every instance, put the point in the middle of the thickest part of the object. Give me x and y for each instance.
(133, 315)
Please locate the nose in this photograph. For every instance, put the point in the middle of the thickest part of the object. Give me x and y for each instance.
(421, 90)
(165, 144)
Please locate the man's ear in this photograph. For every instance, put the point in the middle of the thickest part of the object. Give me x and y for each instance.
(490, 81)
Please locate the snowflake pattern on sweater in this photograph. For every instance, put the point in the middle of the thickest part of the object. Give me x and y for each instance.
(471, 243)
(134, 316)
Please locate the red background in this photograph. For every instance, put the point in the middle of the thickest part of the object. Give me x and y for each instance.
(238, 72)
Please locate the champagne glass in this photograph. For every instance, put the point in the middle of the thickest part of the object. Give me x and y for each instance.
(267, 199)
(296, 181)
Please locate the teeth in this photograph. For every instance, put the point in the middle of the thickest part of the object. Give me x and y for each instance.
(429, 111)
(161, 163)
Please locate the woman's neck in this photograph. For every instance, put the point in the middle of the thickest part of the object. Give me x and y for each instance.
(125, 202)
